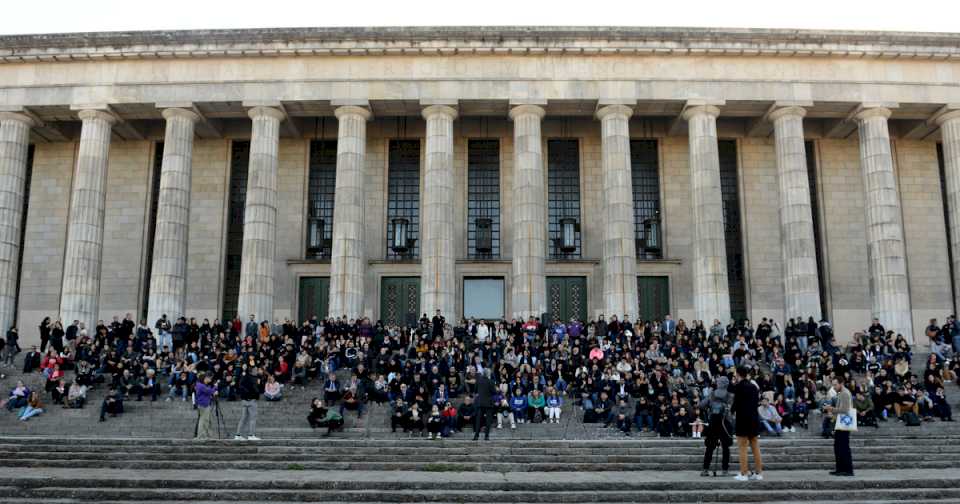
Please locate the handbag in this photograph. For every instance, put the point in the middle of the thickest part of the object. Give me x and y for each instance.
(846, 421)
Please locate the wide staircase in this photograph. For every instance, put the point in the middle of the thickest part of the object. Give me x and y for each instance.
(67, 456)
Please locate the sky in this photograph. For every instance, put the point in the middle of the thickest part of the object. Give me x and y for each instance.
(57, 16)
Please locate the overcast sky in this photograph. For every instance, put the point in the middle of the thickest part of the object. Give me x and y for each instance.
(53, 16)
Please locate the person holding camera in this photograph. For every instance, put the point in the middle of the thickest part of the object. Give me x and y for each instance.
(204, 397)
(718, 428)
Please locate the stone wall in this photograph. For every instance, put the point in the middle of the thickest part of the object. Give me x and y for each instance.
(207, 242)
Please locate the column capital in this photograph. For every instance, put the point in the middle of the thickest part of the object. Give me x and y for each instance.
(871, 112)
(16, 116)
(940, 120)
(263, 111)
(97, 114)
(432, 110)
(791, 110)
(611, 110)
(520, 110)
(345, 110)
(174, 112)
(690, 112)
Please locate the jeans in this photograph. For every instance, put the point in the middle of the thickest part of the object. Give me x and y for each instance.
(164, 339)
(772, 428)
(956, 343)
(248, 418)
(642, 421)
(29, 411)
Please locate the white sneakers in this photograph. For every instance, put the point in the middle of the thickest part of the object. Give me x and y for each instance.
(741, 477)
(253, 438)
(756, 477)
(238, 437)
(752, 477)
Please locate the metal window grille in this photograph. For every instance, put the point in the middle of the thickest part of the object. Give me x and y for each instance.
(563, 183)
(645, 175)
(403, 198)
(730, 194)
(320, 194)
(483, 199)
(239, 165)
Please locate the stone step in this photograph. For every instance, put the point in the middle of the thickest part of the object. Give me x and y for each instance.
(744, 494)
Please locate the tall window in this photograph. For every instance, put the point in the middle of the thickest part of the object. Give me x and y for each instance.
(646, 198)
(946, 220)
(815, 212)
(483, 199)
(732, 234)
(157, 169)
(28, 176)
(563, 182)
(403, 200)
(320, 190)
(239, 164)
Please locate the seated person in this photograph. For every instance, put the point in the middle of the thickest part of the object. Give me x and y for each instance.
(398, 417)
(33, 407)
(941, 407)
(865, 410)
(600, 410)
(414, 419)
(466, 413)
(112, 404)
(76, 395)
(536, 403)
(273, 390)
(18, 396)
(621, 415)
(769, 417)
(434, 423)
(352, 401)
(321, 416)
(905, 402)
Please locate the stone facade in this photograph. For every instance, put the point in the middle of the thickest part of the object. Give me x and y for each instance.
(874, 105)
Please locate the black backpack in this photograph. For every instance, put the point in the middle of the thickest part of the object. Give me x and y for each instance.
(911, 419)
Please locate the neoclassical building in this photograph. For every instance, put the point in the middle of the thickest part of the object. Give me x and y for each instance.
(487, 172)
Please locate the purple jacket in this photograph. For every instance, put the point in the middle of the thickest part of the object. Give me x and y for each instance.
(204, 394)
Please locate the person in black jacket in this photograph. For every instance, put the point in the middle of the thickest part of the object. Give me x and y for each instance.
(746, 401)
(718, 429)
(249, 391)
(484, 402)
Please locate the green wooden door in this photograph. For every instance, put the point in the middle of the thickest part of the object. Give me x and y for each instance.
(400, 300)
(314, 297)
(654, 294)
(567, 298)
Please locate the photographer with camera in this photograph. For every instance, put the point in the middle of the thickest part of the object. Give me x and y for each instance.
(718, 429)
(205, 394)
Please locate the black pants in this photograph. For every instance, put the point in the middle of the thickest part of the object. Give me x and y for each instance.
(712, 444)
(484, 415)
(841, 450)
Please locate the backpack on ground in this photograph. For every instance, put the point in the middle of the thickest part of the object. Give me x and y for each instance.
(911, 419)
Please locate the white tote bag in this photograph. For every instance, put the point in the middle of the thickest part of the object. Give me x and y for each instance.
(846, 421)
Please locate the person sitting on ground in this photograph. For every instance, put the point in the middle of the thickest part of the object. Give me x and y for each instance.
(18, 396)
(466, 413)
(273, 390)
(112, 404)
(399, 416)
(864, 406)
(554, 405)
(502, 405)
(905, 402)
(535, 406)
(449, 416)
(179, 386)
(621, 415)
(33, 407)
(76, 395)
(352, 401)
(434, 423)
(321, 416)
(769, 417)
(518, 405)
(331, 389)
(59, 394)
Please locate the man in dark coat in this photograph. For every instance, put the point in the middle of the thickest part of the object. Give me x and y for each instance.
(746, 401)
(485, 407)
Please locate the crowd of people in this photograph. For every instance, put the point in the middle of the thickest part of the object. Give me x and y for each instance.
(653, 376)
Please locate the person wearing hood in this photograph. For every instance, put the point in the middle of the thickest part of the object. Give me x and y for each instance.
(718, 427)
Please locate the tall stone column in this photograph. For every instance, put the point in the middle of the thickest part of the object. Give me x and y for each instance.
(801, 284)
(711, 289)
(529, 291)
(950, 133)
(619, 243)
(438, 277)
(168, 274)
(348, 257)
(889, 285)
(260, 217)
(14, 143)
(80, 296)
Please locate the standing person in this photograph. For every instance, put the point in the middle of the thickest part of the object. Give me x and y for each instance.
(204, 398)
(44, 333)
(845, 424)
(746, 401)
(249, 391)
(12, 346)
(484, 401)
(718, 427)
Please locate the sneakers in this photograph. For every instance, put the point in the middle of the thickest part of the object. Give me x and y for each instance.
(238, 437)
(741, 477)
(253, 438)
(431, 435)
(513, 426)
(705, 473)
(756, 477)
